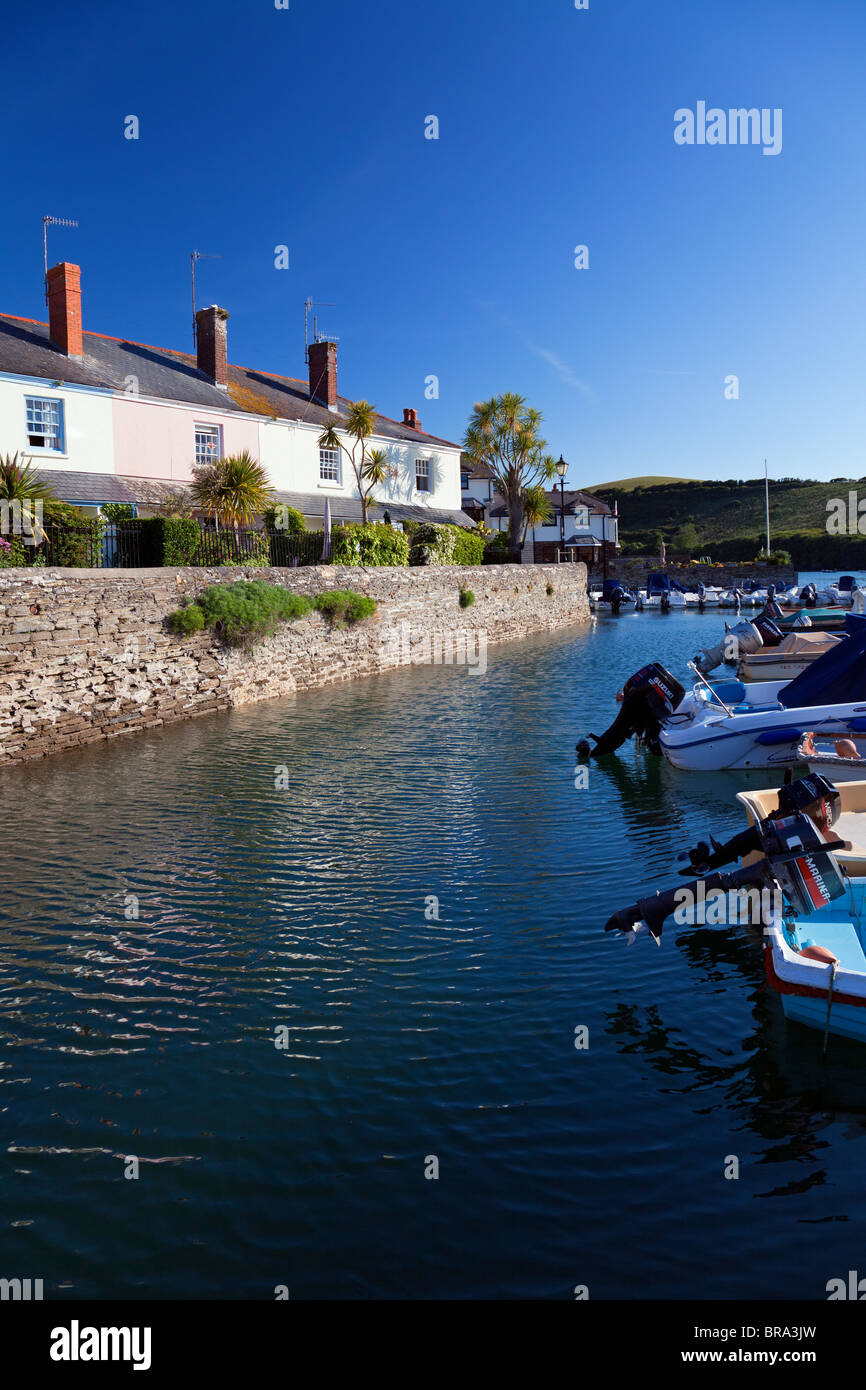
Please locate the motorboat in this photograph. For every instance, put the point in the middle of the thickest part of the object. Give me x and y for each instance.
(798, 887)
(842, 760)
(663, 592)
(732, 725)
(613, 596)
(786, 660)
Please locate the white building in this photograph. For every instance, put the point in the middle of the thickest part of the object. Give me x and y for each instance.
(111, 420)
(581, 526)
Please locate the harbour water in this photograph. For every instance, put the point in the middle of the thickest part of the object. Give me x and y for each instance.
(421, 907)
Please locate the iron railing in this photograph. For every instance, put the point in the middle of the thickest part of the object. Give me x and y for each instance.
(120, 545)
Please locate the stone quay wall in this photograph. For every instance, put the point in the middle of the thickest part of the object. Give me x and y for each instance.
(86, 655)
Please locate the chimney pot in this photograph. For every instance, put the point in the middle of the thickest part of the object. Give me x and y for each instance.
(323, 374)
(64, 308)
(210, 338)
(410, 419)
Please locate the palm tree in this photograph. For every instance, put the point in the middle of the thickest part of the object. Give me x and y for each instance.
(232, 490)
(537, 510)
(505, 434)
(371, 468)
(20, 483)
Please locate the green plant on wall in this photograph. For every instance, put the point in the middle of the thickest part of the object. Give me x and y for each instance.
(232, 490)
(368, 545)
(370, 466)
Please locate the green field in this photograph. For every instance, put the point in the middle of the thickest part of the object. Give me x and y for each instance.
(728, 516)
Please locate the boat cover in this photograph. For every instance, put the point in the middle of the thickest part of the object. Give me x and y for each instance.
(836, 678)
(804, 641)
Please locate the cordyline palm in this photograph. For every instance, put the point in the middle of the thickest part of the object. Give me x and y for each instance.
(537, 510)
(370, 466)
(505, 433)
(19, 482)
(233, 490)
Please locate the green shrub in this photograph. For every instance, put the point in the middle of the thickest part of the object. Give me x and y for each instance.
(13, 552)
(249, 609)
(117, 511)
(286, 519)
(496, 550)
(73, 536)
(435, 544)
(356, 544)
(169, 540)
(549, 589)
(186, 620)
(467, 598)
(344, 606)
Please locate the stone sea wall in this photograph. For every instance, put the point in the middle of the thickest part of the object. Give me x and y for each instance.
(86, 654)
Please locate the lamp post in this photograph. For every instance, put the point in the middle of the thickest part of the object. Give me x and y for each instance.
(562, 469)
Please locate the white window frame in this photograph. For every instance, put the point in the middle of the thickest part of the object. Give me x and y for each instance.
(331, 459)
(55, 405)
(424, 469)
(209, 431)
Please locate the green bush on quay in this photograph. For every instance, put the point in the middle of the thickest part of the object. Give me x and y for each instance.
(186, 620)
(343, 606)
(441, 544)
(355, 544)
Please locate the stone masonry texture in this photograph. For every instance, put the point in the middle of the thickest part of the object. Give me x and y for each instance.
(86, 655)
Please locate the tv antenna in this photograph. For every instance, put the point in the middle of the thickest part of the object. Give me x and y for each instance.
(310, 304)
(197, 256)
(46, 223)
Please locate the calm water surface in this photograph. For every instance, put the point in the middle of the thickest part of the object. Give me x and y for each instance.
(305, 908)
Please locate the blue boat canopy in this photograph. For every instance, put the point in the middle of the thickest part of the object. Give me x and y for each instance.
(836, 678)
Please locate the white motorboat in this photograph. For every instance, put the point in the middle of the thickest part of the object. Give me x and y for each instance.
(732, 725)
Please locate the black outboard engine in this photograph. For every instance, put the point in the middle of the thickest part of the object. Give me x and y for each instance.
(809, 596)
(771, 634)
(797, 860)
(814, 796)
(648, 697)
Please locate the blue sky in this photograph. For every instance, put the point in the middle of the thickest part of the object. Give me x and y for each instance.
(454, 257)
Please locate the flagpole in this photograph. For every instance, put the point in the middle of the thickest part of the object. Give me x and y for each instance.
(767, 497)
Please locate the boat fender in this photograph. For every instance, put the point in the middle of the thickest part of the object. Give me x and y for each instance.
(820, 953)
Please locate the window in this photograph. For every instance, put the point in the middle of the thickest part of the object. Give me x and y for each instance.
(44, 423)
(422, 475)
(464, 481)
(208, 443)
(329, 465)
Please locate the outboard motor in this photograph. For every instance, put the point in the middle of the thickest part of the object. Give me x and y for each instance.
(797, 860)
(771, 635)
(648, 697)
(738, 641)
(809, 596)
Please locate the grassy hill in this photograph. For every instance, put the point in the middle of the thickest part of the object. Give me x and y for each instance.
(729, 516)
(629, 484)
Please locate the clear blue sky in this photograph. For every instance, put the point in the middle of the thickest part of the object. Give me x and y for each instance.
(455, 257)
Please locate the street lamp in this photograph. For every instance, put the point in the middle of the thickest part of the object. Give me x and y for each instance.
(562, 469)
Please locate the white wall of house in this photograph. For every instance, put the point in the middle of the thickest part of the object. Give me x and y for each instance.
(86, 414)
(289, 452)
(156, 439)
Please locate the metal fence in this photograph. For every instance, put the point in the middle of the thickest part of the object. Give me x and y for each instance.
(122, 545)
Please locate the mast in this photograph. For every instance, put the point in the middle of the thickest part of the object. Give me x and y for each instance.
(767, 499)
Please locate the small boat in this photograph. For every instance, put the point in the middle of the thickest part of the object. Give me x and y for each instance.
(663, 592)
(794, 886)
(731, 725)
(613, 596)
(786, 660)
(820, 619)
(849, 821)
(842, 760)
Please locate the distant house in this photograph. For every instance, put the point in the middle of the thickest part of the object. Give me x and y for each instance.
(582, 528)
(111, 420)
(477, 489)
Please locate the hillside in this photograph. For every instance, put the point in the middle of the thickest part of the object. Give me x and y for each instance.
(629, 484)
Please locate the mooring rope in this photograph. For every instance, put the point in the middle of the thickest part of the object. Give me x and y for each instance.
(833, 969)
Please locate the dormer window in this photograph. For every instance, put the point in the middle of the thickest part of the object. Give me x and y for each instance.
(422, 475)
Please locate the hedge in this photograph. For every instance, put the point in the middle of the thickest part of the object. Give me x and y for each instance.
(169, 540)
(435, 544)
(356, 544)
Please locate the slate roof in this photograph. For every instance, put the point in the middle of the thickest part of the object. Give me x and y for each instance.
(573, 499)
(110, 487)
(26, 350)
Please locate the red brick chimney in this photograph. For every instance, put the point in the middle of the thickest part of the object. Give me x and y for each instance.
(210, 337)
(323, 374)
(64, 307)
(410, 419)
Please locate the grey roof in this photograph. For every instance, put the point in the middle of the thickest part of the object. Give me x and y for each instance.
(107, 487)
(573, 499)
(27, 350)
(111, 487)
